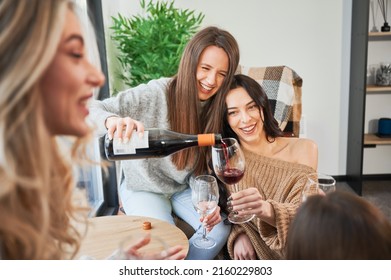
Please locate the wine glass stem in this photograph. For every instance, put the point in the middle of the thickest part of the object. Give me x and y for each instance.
(235, 188)
(203, 230)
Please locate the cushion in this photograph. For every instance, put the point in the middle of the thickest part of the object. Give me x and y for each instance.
(283, 88)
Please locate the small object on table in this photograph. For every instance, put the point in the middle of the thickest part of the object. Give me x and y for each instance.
(105, 234)
(147, 225)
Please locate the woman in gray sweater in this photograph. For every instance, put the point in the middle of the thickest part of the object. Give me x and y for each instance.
(156, 187)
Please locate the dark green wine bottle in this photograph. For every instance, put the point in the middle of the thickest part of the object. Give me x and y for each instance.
(156, 143)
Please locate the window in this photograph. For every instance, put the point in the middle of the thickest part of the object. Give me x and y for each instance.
(90, 180)
(99, 187)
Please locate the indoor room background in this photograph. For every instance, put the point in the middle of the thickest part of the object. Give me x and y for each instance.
(310, 36)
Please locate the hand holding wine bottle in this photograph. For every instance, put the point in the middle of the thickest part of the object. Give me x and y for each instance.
(155, 142)
(123, 128)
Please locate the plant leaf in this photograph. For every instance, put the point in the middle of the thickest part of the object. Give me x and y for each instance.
(150, 45)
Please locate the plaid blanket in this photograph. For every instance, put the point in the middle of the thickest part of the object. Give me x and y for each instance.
(283, 88)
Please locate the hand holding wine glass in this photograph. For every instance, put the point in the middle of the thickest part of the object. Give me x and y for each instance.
(229, 165)
(205, 197)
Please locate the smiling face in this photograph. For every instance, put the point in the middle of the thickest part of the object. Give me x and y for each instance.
(68, 82)
(244, 116)
(212, 69)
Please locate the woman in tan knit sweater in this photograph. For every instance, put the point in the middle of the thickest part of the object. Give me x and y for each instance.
(276, 170)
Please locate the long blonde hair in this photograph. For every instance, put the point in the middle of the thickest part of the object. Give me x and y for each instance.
(36, 181)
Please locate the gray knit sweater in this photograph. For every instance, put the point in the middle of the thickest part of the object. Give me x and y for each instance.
(146, 103)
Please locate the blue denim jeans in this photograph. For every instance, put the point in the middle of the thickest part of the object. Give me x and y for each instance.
(158, 206)
(183, 208)
(147, 204)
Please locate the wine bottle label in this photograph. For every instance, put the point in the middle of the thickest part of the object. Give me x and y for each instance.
(135, 142)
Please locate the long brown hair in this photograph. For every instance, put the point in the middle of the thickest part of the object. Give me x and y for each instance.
(184, 108)
(36, 180)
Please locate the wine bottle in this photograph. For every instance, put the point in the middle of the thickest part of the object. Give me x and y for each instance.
(156, 143)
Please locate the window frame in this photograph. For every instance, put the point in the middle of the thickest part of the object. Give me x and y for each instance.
(103, 196)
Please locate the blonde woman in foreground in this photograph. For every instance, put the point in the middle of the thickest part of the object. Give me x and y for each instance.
(46, 81)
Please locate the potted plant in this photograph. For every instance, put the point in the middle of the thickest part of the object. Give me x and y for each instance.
(150, 45)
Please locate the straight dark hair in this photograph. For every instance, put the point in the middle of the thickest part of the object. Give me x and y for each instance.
(259, 96)
(219, 119)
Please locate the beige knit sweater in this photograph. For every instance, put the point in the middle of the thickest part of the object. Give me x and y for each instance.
(280, 183)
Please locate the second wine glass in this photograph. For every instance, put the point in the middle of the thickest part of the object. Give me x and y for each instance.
(229, 165)
(205, 197)
(318, 183)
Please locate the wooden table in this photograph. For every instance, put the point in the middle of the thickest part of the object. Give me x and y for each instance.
(105, 234)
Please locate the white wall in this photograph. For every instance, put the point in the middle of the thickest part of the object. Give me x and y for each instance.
(310, 36)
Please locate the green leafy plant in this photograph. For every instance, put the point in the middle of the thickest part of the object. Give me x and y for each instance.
(150, 45)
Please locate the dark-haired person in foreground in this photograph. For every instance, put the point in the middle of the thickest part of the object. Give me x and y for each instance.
(339, 226)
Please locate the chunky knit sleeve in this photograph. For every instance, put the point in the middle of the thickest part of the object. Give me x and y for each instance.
(250, 229)
(284, 211)
(235, 232)
(280, 183)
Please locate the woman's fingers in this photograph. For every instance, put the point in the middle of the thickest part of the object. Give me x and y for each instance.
(122, 128)
(245, 196)
(212, 219)
(128, 126)
(174, 253)
(141, 242)
(111, 126)
(248, 201)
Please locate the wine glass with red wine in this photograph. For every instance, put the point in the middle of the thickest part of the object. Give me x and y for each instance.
(229, 165)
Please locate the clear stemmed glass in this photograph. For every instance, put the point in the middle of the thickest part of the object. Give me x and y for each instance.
(318, 183)
(140, 247)
(229, 165)
(205, 197)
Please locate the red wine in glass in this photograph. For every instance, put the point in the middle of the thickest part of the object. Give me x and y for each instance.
(229, 165)
(232, 175)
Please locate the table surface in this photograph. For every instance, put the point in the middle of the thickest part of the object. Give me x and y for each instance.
(106, 233)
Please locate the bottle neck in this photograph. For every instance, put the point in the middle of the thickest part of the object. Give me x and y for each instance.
(209, 139)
